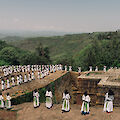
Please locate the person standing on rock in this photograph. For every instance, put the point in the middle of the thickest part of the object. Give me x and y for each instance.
(65, 67)
(1, 101)
(8, 102)
(66, 104)
(85, 104)
(70, 68)
(18, 80)
(25, 78)
(29, 77)
(48, 98)
(79, 70)
(108, 104)
(8, 83)
(13, 81)
(2, 85)
(36, 99)
(33, 77)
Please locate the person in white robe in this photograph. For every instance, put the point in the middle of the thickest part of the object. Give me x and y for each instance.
(41, 75)
(25, 78)
(96, 69)
(66, 104)
(108, 104)
(13, 81)
(29, 76)
(104, 69)
(2, 85)
(70, 68)
(36, 99)
(8, 83)
(33, 77)
(48, 99)
(38, 74)
(65, 67)
(85, 105)
(1, 101)
(90, 68)
(8, 101)
(18, 80)
(79, 70)
(21, 79)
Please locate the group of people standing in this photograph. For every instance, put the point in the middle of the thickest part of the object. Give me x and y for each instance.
(24, 74)
(85, 108)
(5, 102)
(36, 97)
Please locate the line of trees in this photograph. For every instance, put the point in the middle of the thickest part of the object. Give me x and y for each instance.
(10, 55)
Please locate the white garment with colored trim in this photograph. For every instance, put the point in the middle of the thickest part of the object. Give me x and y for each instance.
(108, 104)
(66, 104)
(48, 99)
(36, 99)
(1, 101)
(85, 104)
(8, 83)
(8, 102)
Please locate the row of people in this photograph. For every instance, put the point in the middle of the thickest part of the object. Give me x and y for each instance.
(7, 83)
(85, 108)
(108, 104)
(8, 70)
(13, 81)
(5, 102)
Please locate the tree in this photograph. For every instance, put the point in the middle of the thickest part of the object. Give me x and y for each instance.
(9, 55)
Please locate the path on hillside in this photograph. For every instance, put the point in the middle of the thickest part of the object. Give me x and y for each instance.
(27, 112)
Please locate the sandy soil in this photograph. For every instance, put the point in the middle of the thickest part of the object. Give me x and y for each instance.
(27, 112)
(7, 115)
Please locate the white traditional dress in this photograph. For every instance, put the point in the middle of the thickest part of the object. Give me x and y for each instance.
(48, 99)
(3, 85)
(18, 80)
(85, 104)
(29, 77)
(65, 68)
(8, 102)
(96, 69)
(25, 78)
(36, 99)
(1, 101)
(13, 81)
(70, 68)
(90, 68)
(33, 77)
(38, 75)
(66, 104)
(108, 105)
(8, 84)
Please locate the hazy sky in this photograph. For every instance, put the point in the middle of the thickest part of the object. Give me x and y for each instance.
(60, 15)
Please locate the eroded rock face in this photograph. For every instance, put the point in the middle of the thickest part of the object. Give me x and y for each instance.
(97, 84)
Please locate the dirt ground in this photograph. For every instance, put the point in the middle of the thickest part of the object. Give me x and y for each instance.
(27, 112)
(7, 115)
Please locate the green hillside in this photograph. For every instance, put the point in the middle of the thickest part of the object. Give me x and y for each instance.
(59, 45)
(99, 48)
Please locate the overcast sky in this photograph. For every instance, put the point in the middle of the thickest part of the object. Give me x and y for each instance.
(60, 15)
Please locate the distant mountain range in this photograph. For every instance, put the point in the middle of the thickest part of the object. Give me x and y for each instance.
(6, 33)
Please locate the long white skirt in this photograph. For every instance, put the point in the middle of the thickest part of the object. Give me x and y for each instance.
(108, 106)
(8, 104)
(36, 102)
(1, 104)
(48, 102)
(85, 107)
(66, 105)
